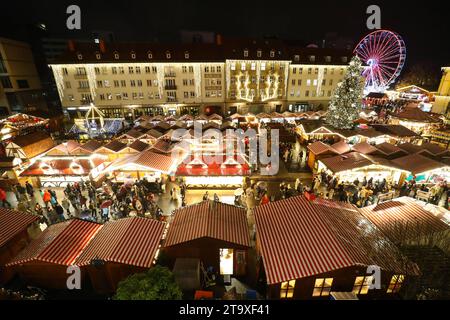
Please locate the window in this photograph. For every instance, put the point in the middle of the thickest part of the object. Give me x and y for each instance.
(322, 287)
(206, 69)
(186, 55)
(116, 56)
(219, 69)
(168, 55)
(243, 66)
(272, 53)
(213, 69)
(315, 82)
(253, 66)
(293, 82)
(192, 94)
(138, 70)
(68, 85)
(309, 70)
(114, 70)
(307, 93)
(344, 59)
(150, 55)
(300, 70)
(130, 70)
(121, 70)
(97, 70)
(133, 55)
(154, 70)
(147, 69)
(362, 284)
(259, 53)
(287, 289)
(299, 82)
(312, 58)
(98, 56)
(329, 93)
(23, 84)
(149, 83)
(245, 53)
(316, 71)
(308, 82)
(123, 83)
(296, 57)
(65, 71)
(396, 283)
(294, 70)
(263, 66)
(191, 69)
(331, 82)
(233, 66)
(327, 58)
(133, 83)
(116, 83)
(100, 84)
(80, 56)
(139, 83)
(184, 69)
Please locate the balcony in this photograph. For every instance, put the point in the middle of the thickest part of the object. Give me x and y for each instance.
(80, 76)
(170, 87)
(170, 74)
(171, 99)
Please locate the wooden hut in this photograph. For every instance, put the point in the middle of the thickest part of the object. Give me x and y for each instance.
(214, 232)
(120, 248)
(308, 249)
(29, 146)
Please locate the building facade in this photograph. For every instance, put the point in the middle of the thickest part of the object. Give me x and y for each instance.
(20, 87)
(129, 80)
(442, 97)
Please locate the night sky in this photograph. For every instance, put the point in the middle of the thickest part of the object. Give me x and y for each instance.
(423, 25)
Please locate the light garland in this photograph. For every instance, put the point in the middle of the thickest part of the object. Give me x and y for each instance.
(59, 79)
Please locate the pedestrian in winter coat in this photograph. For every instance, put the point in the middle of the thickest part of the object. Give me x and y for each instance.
(3, 198)
(30, 189)
(66, 205)
(60, 212)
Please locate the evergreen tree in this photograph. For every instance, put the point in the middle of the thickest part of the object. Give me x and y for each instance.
(345, 104)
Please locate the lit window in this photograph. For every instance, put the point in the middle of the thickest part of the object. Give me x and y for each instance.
(287, 289)
(396, 283)
(116, 55)
(80, 56)
(98, 56)
(263, 66)
(186, 55)
(308, 82)
(245, 53)
(259, 53)
(362, 284)
(272, 53)
(344, 59)
(133, 55)
(233, 66)
(168, 56)
(327, 58)
(322, 287)
(253, 66)
(312, 58)
(150, 55)
(243, 66)
(315, 82)
(297, 57)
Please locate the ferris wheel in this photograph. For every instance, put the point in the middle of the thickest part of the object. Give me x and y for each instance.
(384, 53)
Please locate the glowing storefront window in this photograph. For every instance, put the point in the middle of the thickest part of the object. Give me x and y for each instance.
(287, 289)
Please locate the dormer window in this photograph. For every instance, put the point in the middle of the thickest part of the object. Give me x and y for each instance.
(116, 55)
(259, 53)
(272, 53)
(327, 59)
(186, 55)
(246, 53)
(296, 57)
(168, 55)
(133, 55)
(80, 56)
(150, 55)
(344, 59)
(312, 58)
(98, 56)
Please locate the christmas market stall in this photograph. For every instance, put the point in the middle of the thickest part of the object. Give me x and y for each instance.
(16, 231)
(44, 262)
(119, 249)
(416, 120)
(21, 124)
(214, 232)
(354, 165)
(325, 258)
(423, 169)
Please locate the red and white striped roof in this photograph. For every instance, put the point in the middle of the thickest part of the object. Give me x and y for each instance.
(403, 219)
(13, 222)
(209, 219)
(59, 244)
(319, 147)
(132, 241)
(299, 239)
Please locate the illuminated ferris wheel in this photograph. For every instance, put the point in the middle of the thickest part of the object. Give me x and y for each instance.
(384, 53)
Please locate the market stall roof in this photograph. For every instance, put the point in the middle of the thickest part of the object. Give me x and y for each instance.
(300, 239)
(32, 144)
(364, 148)
(63, 149)
(178, 125)
(263, 115)
(13, 222)
(209, 219)
(62, 167)
(114, 146)
(434, 149)
(162, 126)
(215, 116)
(415, 114)
(319, 147)
(132, 241)
(186, 117)
(152, 133)
(403, 219)
(394, 130)
(132, 134)
(349, 161)
(389, 149)
(201, 117)
(165, 146)
(138, 145)
(341, 147)
(146, 160)
(91, 146)
(417, 163)
(410, 148)
(60, 243)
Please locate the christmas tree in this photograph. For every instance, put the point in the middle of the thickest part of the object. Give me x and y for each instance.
(345, 104)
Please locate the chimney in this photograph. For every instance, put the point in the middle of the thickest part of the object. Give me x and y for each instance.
(219, 39)
(102, 46)
(71, 45)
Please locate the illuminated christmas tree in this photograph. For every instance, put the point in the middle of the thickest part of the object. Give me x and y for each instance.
(345, 104)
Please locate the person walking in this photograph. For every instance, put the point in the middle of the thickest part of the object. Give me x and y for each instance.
(30, 190)
(66, 205)
(3, 198)
(60, 212)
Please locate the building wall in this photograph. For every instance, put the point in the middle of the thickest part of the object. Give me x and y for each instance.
(9, 251)
(234, 85)
(343, 281)
(442, 97)
(19, 77)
